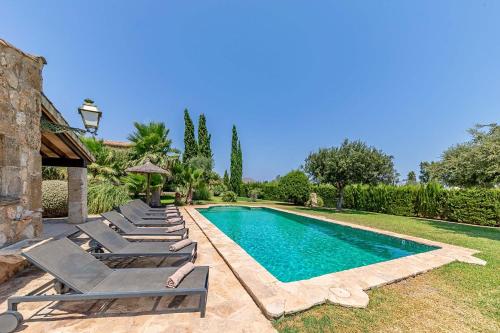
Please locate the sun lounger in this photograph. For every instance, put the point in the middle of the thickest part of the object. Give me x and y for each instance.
(120, 247)
(127, 228)
(90, 279)
(145, 207)
(154, 215)
(139, 221)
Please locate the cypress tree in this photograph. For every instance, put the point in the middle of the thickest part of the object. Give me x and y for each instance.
(204, 138)
(190, 145)
(240, 164)
(226, 179)
(235, 180)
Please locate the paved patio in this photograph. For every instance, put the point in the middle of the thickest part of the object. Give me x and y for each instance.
(229, 306)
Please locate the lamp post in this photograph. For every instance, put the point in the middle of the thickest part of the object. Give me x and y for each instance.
(91, 116)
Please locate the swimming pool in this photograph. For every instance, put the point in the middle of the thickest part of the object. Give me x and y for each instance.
(294, 247)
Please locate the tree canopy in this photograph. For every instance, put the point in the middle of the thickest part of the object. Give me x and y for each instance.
(295, 187)
(350, 163)
(473, 163)
(411, 178)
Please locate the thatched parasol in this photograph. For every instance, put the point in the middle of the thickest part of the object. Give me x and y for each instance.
(147, 168)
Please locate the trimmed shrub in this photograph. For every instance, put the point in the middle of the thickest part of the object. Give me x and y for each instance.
(55, 198)
(229, 196)
(295, 187)
(104, 196)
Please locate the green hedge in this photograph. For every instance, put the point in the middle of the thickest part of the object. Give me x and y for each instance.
(396, 200)
(268, 190)
(476, 206)
(54, 198)
(327, 192)
(473, 206)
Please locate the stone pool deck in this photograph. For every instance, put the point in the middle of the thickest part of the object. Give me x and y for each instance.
(229, 307)
(346, 288)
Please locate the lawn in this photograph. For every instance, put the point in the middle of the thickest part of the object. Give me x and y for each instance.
(458, 297)
(455, 298)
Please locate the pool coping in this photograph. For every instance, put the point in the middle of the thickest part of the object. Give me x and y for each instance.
(346, 288)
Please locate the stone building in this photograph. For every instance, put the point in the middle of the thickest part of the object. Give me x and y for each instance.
(25, 146)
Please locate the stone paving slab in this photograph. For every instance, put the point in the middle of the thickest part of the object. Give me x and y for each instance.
(346, 288)
(229, 309)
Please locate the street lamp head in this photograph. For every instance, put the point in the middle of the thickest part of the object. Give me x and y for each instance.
(90, 115)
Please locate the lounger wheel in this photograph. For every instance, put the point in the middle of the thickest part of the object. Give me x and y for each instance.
(9, 321)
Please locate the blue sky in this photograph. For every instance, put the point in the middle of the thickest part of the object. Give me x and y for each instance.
(408, 77)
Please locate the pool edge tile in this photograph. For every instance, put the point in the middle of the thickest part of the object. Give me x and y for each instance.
(346, 288)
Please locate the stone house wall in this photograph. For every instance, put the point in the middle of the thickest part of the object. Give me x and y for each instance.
(20, 160)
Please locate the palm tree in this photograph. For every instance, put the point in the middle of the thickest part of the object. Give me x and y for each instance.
(108, 163)
(190, 177)
(151, 142)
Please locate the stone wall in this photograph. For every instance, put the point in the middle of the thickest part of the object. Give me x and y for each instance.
(20, 160)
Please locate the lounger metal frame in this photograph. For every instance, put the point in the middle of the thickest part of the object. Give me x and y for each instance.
(109, 255)
(146, 230)
(34, 296)
(12, 316)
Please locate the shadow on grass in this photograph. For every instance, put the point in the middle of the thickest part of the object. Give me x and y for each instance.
(328, 210)
(490, 233)
(469, 230)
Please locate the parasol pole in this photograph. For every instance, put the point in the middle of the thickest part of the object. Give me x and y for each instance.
(147, 190)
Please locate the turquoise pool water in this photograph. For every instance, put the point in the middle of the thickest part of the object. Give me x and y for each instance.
(294, 247)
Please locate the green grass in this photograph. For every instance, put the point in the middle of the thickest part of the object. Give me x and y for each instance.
(458, 297)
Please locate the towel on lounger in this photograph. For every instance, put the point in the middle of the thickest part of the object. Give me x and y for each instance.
(174, 228)
(180, 244)
(174, 219)
(174, 279)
